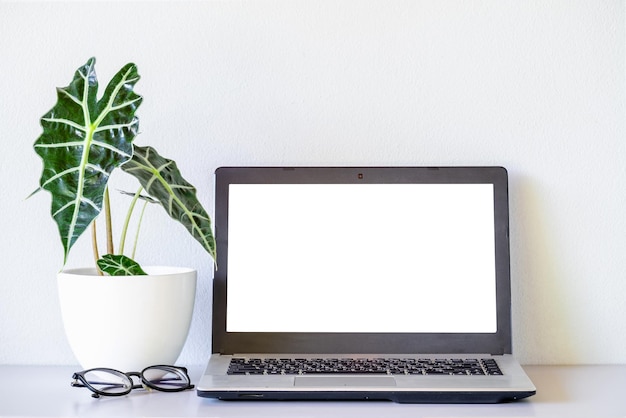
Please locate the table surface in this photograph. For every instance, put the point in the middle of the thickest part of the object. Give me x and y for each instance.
(562, 391)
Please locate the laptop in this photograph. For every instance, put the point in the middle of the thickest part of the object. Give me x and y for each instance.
(362, 283)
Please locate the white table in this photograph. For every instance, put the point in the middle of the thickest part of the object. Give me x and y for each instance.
(562, 391)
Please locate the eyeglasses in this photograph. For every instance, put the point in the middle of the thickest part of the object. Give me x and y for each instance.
(111, 382)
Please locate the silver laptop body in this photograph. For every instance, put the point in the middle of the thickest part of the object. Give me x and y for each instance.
(362, 283)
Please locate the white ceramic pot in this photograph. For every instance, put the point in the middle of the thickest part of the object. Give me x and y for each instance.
(127, 322)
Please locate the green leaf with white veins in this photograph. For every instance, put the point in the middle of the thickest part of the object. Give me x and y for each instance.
(162, 180)
(83, 141)
(120, 265)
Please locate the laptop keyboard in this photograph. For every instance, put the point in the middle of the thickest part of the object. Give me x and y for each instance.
(388, 366)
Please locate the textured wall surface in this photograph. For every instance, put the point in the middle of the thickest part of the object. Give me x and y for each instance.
(538, 87)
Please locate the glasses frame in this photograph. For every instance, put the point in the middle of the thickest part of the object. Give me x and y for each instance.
(81, 381)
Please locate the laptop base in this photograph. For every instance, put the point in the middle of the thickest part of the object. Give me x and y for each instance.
(399, 397)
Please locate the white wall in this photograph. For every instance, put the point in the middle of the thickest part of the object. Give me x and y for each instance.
(536, 86)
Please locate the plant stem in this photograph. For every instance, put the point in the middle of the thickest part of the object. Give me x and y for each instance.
(107, 217)
(94, 245)
(143, 210)
(127, 220)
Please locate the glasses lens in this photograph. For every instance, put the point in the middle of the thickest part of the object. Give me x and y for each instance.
(166, 378)
(108, 381)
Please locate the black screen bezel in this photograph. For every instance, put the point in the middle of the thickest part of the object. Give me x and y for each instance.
(385, 343)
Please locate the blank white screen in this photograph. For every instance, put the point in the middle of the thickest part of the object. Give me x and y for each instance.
(361, 258)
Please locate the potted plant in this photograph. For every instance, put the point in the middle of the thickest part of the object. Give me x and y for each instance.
(118, 313)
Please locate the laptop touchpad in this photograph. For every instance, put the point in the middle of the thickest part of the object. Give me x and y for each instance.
(340, 381)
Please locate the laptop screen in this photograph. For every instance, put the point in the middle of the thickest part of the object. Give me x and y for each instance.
(361, 258)
(354, 254)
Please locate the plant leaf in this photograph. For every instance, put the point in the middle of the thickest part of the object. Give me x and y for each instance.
(83, 140)
(162, 180)
(120, 265)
